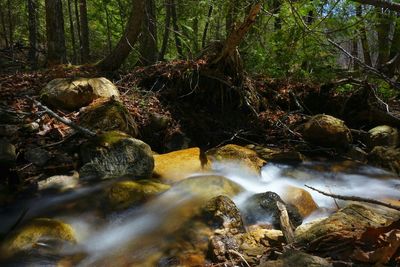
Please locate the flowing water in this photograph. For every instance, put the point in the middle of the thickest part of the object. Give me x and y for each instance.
(129, 236)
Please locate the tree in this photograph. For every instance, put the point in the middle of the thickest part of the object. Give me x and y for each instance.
(72, 33)
(33, 32)
(148, 41)
(56, 51)
(115, 59)
(85, 51)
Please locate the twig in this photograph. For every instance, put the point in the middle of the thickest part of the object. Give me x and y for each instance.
(67, 122)
(359, 199)
(286, 226)
(240, 256)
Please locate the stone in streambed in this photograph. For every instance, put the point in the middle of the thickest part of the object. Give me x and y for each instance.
(383, 135)
(8, 154)
(72, 94)
(301, 199)
(295, 258)
(115, 154)
(385, 157)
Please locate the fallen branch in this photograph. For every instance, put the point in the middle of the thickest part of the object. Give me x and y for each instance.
(67, 122)
(359, 199)
(286, 226)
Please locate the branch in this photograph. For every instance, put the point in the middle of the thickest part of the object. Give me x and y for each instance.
(359, 199)
(286, 226)
(380, 3)
(74, 126)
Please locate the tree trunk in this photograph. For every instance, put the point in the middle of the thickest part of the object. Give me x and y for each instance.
(10, 24)
(3, 25)
(363, 36)
(85, 51)
(72, 32)
(148, 41)
(394, 67)
(78, 29)
(56, 51)
(33, 31)
(383, 31)
(108, 27)
(231, 16)
(166, 30)
(115, 59)
(174, 17)
(204, 38)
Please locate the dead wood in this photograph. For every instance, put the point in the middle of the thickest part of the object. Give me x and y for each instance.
(354, 198)
(67, 122)
(286, 226)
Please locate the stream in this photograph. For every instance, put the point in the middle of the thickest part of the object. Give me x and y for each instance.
(107, 238)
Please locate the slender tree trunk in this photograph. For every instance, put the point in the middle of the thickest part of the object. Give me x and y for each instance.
(231, 17)
(85, 51)
(195, 34)
(383, 30)
(108, 27)
(10, 23)
(394, 67)
(56, 51)
(204, 38)
(3, 25)
(363, 36)
(115, 59)
(33, 31)
(148, 42)
(166, 30)
(72, 32)
(177, 33)
(78, 29)
(121, 14)
(276, 9)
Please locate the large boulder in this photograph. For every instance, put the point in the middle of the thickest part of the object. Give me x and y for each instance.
(327, 131)
(8, 155)
(124, 194)
(38, 230)
(107, 115)
(295, 258)
(177, 165)
(301, 199)
(115, 154)
(262, 208)
(383, 136)
(72, 94)
(244, 157)
(385, 157)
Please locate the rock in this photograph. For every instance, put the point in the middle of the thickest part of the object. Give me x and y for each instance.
(262, 208)
(351, 218)
(327, 131)
(8, 130)
(107, 115)
(177, 165)
(8, 155)
(177, 141)
(124, 194)
(115, 154)
(37, 156)
(31, 127)
(295, 258)
(72, 94)
(301, 199)
(208, 186)
(245, 157)
(385, 157)
(383, 136)
(277, 155)
(59, 183)
(356, 154)
(38, 230)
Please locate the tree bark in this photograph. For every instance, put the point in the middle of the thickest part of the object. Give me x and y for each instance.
(148, 42)
(115, 59)
(383, 31)
(108, 27)
(380, 3)
(72, 32)
(174, 18)
(3, 25)
(204, 38)
(33, 31)
(166, 30)
(10, 24)
(78, 29)
(56, 51)
(363, 36)
(85, 50)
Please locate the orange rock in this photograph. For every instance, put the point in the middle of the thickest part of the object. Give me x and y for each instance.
(300, 198)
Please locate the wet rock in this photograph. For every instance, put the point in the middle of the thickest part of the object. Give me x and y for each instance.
(277, 155)
(125, 194)
(8, 130)
(262, 208)
(72, 94)
(294, 258)
(327, 131)
(209, 186)
(31, 127)
(386, 158)
(59, 183)
(301, 199)
(115, 154)
(383, 136)
(221, 247)
(357, 154)
(245, 157)
(107, 115)
(177, 141)
(351, 218)
(8, 155)
(39, 230)
(177, 165)
(37, 156)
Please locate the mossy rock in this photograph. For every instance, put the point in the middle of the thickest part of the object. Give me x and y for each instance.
(124, 194)
(383, 135)
(107, 115)
(115, 154)
(327, 131)
(245, 157)
(26, 237)
(72, 94)
(385, 157)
